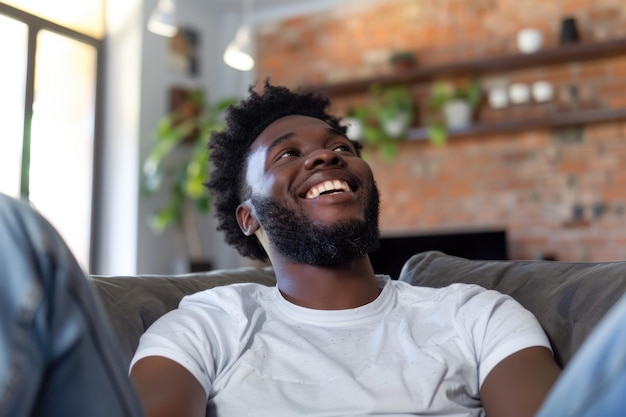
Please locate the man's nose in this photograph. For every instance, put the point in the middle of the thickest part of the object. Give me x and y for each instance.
(323, 157)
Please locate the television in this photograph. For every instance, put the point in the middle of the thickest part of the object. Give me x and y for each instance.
(394, 251)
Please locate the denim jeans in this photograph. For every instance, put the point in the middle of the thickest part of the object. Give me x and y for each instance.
(57, 352)
(593, 384)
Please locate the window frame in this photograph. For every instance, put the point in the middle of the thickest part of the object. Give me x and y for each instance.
(35, 24)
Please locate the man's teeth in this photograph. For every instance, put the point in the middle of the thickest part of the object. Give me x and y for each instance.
(327, 186)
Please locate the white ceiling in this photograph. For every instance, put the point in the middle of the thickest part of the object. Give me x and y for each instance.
(268, 10)
(257, 4)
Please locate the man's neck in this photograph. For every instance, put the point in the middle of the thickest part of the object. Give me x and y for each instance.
(327, 287)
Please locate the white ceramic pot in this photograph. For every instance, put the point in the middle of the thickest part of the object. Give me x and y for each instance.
(458, 114)
(498, 98)
(354, 128)
(397, 126)
(529, 40)
(542, 91)
(519, 93)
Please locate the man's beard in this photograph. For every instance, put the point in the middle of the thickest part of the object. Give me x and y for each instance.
(300, 240)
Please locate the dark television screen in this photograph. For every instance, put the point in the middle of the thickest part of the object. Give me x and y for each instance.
(395, 251)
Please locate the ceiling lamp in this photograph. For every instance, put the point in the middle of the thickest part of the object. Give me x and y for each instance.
(238, 53)
(163, 20)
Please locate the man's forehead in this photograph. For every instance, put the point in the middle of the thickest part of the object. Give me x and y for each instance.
(286, 125)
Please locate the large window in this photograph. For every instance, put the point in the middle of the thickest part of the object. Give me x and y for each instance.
(84, 16)
(48, 102)
(12, 85)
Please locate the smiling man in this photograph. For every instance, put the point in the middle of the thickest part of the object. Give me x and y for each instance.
(332, 338)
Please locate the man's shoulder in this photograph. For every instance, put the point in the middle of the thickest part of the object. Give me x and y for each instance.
(236, 295)
(453, 296)
(457, 290)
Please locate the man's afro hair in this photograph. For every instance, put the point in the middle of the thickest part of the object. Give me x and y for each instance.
(229, 149)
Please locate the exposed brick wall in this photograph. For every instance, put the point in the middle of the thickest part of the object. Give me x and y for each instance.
(557, 192)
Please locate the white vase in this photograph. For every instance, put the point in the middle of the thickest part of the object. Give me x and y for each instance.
(529, 40)
(354, 129)
(458, 114)
(397, 126)
(542, 91)
(519, 93)
(498, 98)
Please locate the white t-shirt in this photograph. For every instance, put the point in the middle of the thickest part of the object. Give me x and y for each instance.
(412, 351)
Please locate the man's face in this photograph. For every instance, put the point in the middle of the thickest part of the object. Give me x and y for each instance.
(314, 198)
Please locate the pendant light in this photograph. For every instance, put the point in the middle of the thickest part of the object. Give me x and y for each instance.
(238, 53)
(163, 20)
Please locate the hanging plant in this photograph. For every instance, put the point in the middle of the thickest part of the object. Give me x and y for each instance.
(178, 163)
(452, 107)
(385, 119)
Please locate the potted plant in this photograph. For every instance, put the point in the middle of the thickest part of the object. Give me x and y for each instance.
(178, 163)
(453, 108)
(385, 118)
(402, 60)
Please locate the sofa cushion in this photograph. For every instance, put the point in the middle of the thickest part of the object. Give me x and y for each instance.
(133, 303)
(567, 298)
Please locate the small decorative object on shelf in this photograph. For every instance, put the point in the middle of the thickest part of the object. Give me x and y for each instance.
(402, 61)
(569, 98)
(542, 91)
(519, 93)
(498, 98)
(569, 31)
(529, 40)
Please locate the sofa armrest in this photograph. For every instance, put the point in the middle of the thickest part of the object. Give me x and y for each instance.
(567, 298)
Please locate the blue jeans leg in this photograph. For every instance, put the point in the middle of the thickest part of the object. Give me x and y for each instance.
(58, 356)
(593, 384)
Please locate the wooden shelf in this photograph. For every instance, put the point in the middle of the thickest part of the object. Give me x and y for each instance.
(558, 120)
(546, 57)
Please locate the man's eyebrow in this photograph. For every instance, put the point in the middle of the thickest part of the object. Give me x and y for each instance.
(280, 140)
(334, 131)
(284, 137)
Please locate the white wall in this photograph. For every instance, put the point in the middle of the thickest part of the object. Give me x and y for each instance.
(117, 231)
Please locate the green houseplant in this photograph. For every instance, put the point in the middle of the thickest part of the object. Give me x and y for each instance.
(451, 107)
(385, 118)
(178, 164)
(402, 60)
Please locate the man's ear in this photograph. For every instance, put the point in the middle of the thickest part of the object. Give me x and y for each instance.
(246, 218)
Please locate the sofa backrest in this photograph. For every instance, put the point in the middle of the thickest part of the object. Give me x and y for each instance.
(567, 298)
(133, 303)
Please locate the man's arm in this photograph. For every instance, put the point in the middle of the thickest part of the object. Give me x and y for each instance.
(517, 386)
(166, 389)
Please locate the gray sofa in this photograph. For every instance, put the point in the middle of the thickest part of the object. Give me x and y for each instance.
(567, 298)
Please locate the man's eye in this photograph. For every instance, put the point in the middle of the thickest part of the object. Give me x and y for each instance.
(288, 153)
(342, 148)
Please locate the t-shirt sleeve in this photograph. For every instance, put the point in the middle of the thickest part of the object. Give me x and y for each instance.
(177, 335)
(206, 332)
(497, 326)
